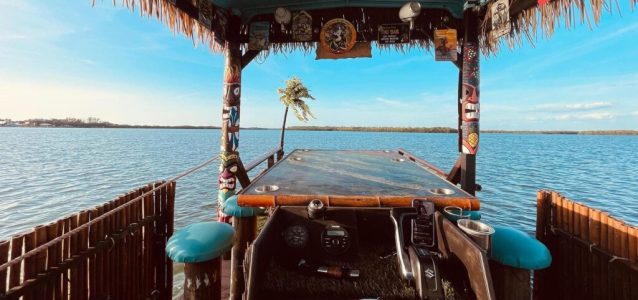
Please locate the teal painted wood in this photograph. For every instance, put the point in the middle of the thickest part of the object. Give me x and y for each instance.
(250, 8)
(200, 242)
(231, 208)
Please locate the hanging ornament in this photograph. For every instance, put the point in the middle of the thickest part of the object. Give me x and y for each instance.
(409, 12)
(283, 17)
(500, 11)
(338, 36)
(302, 27)
(445, 45)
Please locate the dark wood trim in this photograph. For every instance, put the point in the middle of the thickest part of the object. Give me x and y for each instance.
(468, 173)
(458, 100)
(248, 56)
(422, 162)
(473, 258)
(455, 174)
(254, 163)
(245, 231)
(468, 165)
(242, 174)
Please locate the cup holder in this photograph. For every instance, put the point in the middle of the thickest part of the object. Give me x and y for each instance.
(455, 213)
(266, 188)
(479, 232)
(441, 191)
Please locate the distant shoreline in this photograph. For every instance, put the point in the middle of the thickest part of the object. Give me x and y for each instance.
(453, 130)
(77, 123)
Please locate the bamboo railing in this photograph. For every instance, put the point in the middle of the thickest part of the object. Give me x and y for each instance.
(112, 251)
(595, 256)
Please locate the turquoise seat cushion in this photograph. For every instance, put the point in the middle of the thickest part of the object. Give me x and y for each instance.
(515, 248)
(231, 208)
(200, 242)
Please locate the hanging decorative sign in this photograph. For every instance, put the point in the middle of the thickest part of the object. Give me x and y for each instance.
(338, 36)
(302, 27)
(360, 49)
(445, 45)
(394, 33)
(258, 36)
(500, 11)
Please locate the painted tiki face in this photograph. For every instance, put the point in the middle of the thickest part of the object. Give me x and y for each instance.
(227, 180)
(232, 94)
(469, 104)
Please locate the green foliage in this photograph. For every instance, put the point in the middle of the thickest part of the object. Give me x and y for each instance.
(293, 96)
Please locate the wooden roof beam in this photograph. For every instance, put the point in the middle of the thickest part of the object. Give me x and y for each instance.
(248, 56)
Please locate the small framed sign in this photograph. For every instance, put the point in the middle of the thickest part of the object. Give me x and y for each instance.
(500, 11)
(258, 36)
(394, 33)
(445, 45)
(302, 27)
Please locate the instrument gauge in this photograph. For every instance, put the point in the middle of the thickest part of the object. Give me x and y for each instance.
(296, 236)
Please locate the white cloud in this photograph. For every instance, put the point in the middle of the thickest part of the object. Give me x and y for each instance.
(589, 116)
(566, 107)
(588, 106)
(390, 102)
(635, 113)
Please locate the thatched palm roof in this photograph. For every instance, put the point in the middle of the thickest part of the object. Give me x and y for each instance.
(185, 17)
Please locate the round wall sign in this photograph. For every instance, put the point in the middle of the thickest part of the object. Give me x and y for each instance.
(338, 36)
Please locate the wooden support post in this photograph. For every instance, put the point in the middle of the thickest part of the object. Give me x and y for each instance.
(242, 174)
(469, 100)
(229, 156)
(245, 230)
(203, 280)
(271, 161)
(510, 282)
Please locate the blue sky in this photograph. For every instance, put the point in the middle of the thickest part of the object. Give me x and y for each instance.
(67, 59)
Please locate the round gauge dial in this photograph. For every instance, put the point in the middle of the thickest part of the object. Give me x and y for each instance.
(296, 236)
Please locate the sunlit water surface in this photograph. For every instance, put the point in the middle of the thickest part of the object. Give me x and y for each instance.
(48, 173)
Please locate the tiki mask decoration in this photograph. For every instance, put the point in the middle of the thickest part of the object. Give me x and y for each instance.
(470, 106)
(227, 170)
(227, 180)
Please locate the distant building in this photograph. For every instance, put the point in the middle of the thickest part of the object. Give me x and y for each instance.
(45, 125)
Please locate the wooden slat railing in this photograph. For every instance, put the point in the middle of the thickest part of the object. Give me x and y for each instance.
(595, 256)
(117, 254)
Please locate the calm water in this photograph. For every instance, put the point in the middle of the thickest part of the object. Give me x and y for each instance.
(48, 173)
